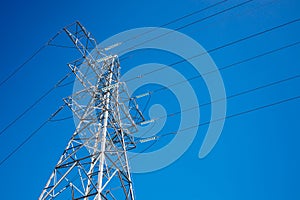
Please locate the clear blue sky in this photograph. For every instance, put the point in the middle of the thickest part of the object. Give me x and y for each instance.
(257, 156)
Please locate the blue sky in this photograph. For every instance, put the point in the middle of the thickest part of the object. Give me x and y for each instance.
(257, 156)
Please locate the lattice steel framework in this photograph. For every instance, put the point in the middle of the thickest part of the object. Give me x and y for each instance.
(94, 164)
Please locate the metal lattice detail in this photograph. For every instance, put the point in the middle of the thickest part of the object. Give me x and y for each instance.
(94, 164)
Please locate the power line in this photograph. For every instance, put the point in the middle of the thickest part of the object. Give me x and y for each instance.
(230, 97)
(155, 139)
(189, 24)
(193, 13)
(221, 47)
(147, 148)
(238, 15)
(30, 136)
(176, 20)
(29, 59)
(173, 63)
(44, 95)
(214, 49)
(231, 65)
(232, 116)
(23, 64)
(172, 114)
(163, 25)
(233, 96)
(61, 119)
(220, 69)
(222, 99)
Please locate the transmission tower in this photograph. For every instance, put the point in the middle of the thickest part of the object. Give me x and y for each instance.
(94, 165)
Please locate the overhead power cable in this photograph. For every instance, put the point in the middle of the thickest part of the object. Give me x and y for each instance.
(163, 25)
(175, 113)
(246, 38)
(221, 47)
(156, 138)
(229, 97)
(61, 119)
(29, 59)
(228, 66)
(209, 103)
(30, 136)
(198, 76)
(189, 24)
(176, 20)
(44, 95)
(232, 96)
(220, 69)
(240, 113)
(23, 64)
(172, 114)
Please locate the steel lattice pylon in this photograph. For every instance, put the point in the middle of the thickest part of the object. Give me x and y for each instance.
(94, 164)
